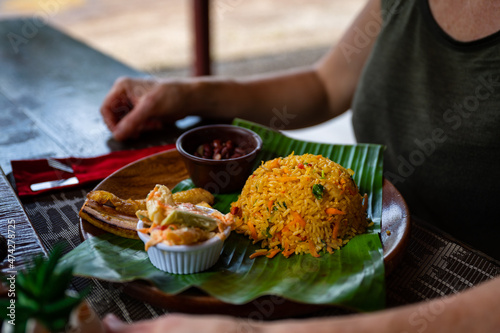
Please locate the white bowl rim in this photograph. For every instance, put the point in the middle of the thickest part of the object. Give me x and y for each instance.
(183, 248)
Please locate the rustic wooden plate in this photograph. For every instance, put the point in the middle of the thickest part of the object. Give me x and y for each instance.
(137, 179)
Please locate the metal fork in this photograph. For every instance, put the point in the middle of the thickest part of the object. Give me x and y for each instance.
(59, 166)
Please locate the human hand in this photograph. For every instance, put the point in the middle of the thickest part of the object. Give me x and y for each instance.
(136, 105)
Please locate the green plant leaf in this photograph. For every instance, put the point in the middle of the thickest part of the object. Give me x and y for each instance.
(61, 307)
(42, 292)
(55, 324)
(45, 272)
(26, 284)
(27, 303)
(352, 276)
(52, 290)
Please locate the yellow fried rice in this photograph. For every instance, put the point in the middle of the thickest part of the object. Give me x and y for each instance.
(300, 204)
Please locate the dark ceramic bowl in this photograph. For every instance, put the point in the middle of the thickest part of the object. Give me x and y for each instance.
(224, 175)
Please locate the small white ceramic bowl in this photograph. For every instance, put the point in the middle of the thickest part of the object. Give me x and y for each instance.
(184, 259)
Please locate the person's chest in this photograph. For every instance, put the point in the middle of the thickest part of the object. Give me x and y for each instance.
(466, 20)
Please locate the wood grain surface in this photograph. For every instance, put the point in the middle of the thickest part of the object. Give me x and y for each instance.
(136, 180)
(51, 90)
(15, 226)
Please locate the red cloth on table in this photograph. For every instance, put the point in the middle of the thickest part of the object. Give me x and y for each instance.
(87, 170)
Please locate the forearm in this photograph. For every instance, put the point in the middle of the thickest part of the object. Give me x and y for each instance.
(471, 311)
(287, 100)
(474, 310)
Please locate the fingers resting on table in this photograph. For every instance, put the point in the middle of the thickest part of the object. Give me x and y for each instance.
(136, 105)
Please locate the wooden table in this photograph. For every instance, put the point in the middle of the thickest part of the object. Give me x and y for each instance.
(51, 88)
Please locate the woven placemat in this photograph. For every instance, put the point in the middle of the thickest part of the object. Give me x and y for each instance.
(434, 264)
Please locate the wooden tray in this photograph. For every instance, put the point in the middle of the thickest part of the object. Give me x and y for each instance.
(137, 179)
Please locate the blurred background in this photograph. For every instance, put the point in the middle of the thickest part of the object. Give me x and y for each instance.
(247, 36)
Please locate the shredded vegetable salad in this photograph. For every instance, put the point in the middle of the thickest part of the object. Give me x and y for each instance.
(180, 224)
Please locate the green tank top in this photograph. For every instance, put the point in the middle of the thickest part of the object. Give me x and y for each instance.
(434, 102)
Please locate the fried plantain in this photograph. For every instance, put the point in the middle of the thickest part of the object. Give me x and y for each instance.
(108, 219)
(127, 207)
(194, 196)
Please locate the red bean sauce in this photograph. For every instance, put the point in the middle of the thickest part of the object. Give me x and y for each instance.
(219, 150)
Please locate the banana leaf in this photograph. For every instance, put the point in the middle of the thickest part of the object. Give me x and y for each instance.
(352, 276)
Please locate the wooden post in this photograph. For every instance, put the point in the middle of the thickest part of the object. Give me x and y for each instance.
(202, 61)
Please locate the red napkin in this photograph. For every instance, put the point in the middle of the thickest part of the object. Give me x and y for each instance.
(27, 172)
